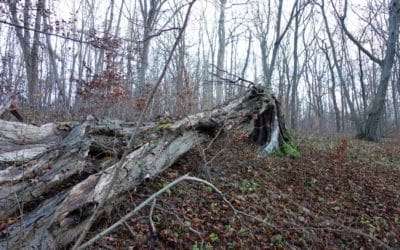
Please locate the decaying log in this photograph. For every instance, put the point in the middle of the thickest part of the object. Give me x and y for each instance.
(52, 177)
(10, 105)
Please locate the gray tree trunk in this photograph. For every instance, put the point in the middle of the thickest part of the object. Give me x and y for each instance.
(52, 57)
(394, 97)
(333, 91)
(246, 62)
(150, 10)
(221, 53)
(276, 44)
(293, 104)
(61, 170)
(339, 70)
(362, 83)
(374, 114)
(30, 52)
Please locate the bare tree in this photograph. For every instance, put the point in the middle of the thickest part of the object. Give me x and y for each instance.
(52, 58)
(262, 19)
(29, 51)
(386, 64)
(295, 78)
(150, 11)
(221, 50)
(339, 70)
(333, 87)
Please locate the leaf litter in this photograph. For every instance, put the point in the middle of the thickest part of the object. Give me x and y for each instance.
(342, 193)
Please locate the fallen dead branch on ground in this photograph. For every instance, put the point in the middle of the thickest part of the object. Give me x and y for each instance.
(53, 177)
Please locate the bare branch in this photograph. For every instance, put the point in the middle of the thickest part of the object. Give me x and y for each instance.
(152, 226)
(185, 177)
(229, 80)
(132, 140)
(352, 38)
(199, 234)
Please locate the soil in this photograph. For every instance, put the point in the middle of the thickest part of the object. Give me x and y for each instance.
(342, 193)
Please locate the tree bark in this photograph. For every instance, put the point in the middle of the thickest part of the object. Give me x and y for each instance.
(57, 173)
(30, 52)
(52, 58)
(333, 92)
(374, 114)
(293, 104)
(150, 11)
(221, 52)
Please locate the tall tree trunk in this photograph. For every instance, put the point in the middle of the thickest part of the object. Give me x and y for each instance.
(150, 12)
(221, 52)
(333, 92)
(395, 81)
(52, 58)
(30, 52)
(374, 114)
(293, 104)
(99, 59)
(246, 62)
(278, 38)
(362, 83)
(264, 57)
(180, 105)
(275, 49)
(339, 69)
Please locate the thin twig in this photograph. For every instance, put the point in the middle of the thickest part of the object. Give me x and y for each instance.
(346, 229)
(153, 228)
(132, 140)
(202, 151)
(341, 228)
(185, 177)
(130, 229)
(238, 78)
(131, 213)
(191, 229)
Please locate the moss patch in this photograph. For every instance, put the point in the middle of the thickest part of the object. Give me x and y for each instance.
(160, 127)
(290, 150)
(287, 149)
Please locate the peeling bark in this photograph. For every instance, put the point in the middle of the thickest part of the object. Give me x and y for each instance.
(66, 166)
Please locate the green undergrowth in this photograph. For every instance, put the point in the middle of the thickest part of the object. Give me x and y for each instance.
(287, 149)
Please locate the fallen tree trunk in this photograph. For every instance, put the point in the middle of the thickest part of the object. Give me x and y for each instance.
(52, 177)
(10, 105)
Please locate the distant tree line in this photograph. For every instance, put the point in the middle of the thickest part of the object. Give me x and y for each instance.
(333, 65)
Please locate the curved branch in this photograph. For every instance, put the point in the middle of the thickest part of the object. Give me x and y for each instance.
(133, 138)
(352, 38)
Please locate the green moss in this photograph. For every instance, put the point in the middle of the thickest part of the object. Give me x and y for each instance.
(162, 126)
(291, 150)
(164, 123)
(278, 153)
(287, 149)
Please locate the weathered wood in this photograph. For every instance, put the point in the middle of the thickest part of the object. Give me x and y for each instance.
(68, 166)
(27, 182)
(10, 105)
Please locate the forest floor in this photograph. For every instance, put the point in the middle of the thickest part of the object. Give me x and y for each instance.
(342, 193)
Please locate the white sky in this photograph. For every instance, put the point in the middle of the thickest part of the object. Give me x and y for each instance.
(207, 10)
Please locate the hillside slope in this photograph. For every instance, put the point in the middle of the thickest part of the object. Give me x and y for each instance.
(341, 193)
